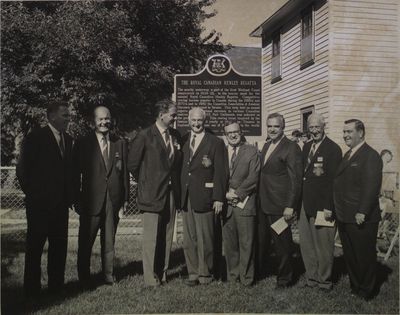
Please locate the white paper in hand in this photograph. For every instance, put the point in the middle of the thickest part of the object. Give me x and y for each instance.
(320, 220)
(279, 226)
(242, 204)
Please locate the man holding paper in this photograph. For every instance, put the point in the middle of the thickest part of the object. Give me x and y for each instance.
(279, 191)
(238, 223)
(321, 157)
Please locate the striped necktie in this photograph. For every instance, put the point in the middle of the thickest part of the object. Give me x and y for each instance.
(104, 150)
(62, 144)
(310, 155)
(170, 153)
(233, 158)
(192, 145)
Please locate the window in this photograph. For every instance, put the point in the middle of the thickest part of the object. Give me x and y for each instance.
(307, 38)
(276, 58)
(305, 113)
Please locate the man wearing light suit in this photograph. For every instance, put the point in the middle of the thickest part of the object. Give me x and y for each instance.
(44, 173)
(101, 191)
(279, 191)
(155, 154)
(238, 227)
(356, 191)
(204, 178)
(321, 157)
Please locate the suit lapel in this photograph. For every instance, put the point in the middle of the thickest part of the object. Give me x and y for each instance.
(317, 152)
(345, 163)
(264, 152)
(201, 145)
(240, 154)
(97, 149)
(276, 150)
(53, 141)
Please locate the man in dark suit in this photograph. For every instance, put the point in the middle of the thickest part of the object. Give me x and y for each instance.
(279, 191)
(238, 227)
(155, 154)
(321, 157)
(44, 173)
(204, 179)
(356, 195)
(101, 191)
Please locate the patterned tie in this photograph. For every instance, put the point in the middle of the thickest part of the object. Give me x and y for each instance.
(310, 155)
(104, 150)
(62, 144)
(233, 158)
(191, 149)
(168, 144)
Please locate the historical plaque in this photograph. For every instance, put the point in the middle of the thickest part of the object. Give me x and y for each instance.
(223, 93)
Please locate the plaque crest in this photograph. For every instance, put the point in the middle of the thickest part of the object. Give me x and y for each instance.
(218, 65)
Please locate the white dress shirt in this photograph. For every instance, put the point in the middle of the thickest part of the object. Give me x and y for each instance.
(198, 139)
(162, 131)
(271, 149)
(57, 135)
(100, 140)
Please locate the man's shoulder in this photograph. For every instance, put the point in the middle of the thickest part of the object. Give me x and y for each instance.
(249, 149)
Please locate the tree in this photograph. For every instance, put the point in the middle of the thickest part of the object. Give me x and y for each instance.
(122, 54)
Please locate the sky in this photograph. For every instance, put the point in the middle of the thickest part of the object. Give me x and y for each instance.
(237, 18)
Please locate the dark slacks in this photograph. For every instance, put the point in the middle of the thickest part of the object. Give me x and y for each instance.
(283, 246)
(158, 232)
(317, 244)
(359, 251)
(238, 233)
(49, 225)
(198, 243)
(89, 226)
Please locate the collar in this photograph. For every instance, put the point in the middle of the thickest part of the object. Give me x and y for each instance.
(100, 136)
(54, 130)
(198, 135)
(160, 128)
(277, 142)
(355, 149)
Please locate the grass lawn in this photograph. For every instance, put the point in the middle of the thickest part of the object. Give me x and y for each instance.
(130, 295)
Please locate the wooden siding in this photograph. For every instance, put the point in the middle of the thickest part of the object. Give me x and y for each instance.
(364, 70)
(298, 88)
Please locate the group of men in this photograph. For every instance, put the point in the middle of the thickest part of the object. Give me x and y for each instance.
(254, 196)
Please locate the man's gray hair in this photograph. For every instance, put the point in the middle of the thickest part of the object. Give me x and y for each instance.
(318, 117)
(197, 109)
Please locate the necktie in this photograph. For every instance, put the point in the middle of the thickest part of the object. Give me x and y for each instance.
(233, 158)
(310, 155)
(347, 155)
(192, 145)
(168, 144)
(104, 150)
(62, 144)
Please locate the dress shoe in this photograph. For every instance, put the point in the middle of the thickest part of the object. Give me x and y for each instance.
(191, 283)
(109, 281)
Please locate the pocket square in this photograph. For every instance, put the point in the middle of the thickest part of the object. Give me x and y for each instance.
(209, 185)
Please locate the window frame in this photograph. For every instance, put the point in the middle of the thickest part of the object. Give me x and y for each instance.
(305, 112)
(275, 36)
(304, 63)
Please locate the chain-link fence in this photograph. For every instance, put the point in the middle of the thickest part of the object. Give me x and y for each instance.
(13, 217)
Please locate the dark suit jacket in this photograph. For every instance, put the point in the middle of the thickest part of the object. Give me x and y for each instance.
(244, 177)
(148, 156)
(318, 176)
(92, 179)
(45, 177)
(281, 177)
(357, 185)
(205, 177)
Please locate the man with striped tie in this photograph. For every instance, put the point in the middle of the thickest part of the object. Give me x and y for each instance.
(102, 190)
(204, 179)
(321, 158)
(154, 159)
(238, 223)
